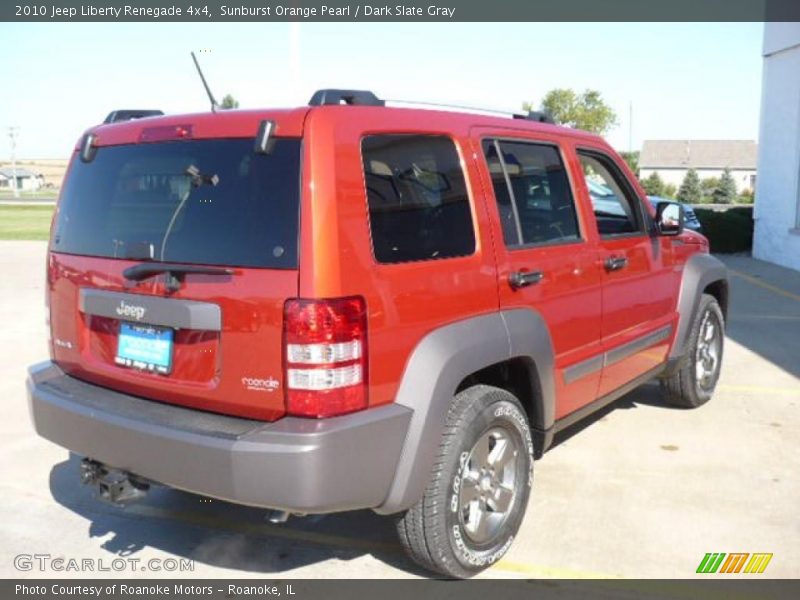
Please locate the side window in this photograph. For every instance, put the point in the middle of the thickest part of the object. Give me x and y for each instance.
(616, 207)
(417, 195)
(532, 191)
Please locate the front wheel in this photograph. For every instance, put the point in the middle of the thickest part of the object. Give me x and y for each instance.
(693, 383)
(479, 487)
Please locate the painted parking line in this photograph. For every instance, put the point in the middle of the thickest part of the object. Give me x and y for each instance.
(198, 519)
(538, 571)
(209, 521)
(762, 389)
(765, 285)
(337, 541)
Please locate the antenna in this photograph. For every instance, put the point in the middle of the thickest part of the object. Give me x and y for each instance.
(214, 105)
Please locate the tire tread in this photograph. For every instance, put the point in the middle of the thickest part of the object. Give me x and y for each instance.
(419, 528)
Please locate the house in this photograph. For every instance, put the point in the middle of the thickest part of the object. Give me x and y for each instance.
(777, 208)
(26, 179)
(671, 159)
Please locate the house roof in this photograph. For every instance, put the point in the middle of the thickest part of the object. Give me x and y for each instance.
(8, 172)
(698, 154)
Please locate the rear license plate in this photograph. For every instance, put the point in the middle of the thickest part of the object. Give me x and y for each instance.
(145, 347)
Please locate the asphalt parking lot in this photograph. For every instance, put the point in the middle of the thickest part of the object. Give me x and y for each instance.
(639, 490)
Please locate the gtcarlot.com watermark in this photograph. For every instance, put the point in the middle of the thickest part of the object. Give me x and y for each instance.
(65, 564)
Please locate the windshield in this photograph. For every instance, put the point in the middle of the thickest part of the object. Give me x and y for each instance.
(212, 202)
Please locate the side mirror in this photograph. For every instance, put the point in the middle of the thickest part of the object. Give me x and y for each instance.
(669, 218)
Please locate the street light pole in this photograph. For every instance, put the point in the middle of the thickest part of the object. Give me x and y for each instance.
(630, 127)
(13, 132)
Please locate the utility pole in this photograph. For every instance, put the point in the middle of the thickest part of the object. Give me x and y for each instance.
(630, 127)
(13, 132)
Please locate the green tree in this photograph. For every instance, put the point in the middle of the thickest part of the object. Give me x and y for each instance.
(690, 191)
(229, 102)
(726, 192)
(632, 158)
(653, 185)
(669, 190)
(587, 110)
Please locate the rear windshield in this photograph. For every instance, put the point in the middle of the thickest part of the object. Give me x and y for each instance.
(214, 202)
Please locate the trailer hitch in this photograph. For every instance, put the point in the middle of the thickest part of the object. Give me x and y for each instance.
(113, 485)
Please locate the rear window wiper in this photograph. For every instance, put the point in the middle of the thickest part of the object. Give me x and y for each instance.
(197, 178)
(175, 272)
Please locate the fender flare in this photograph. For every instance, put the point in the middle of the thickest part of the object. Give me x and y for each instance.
(698, 272)
(438, 364)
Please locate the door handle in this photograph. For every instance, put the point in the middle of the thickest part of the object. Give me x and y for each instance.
(521, 279)
(615, 263)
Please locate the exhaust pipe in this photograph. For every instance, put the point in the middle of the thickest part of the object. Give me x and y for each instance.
(113, 485)
(278, 516)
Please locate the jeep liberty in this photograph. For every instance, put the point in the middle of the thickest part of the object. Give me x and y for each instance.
(350, 305)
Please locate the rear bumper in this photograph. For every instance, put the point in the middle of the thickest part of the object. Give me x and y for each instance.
(299, 465)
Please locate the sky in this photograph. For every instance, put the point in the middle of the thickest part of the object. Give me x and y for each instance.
(683, 80)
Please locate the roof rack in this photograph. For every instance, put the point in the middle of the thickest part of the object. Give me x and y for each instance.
(349, 97)
(368, 98)
(536, 115)
(115, 116)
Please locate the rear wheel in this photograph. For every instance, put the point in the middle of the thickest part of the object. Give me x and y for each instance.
(479, 487)
(693, 383)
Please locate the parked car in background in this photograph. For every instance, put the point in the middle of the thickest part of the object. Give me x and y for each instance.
(690, 217)
(606, 204)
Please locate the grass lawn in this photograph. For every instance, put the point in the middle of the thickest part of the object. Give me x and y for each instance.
(25, 222)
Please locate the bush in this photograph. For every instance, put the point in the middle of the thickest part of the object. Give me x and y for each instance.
(729, 230)
(709, 185)
(653, 185)
(746, 197)
(669, 191)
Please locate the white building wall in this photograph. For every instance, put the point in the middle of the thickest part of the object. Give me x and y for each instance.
(777, 208)
(742, 177)
(28, 183)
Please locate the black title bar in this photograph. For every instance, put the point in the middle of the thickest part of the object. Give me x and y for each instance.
(403, 11)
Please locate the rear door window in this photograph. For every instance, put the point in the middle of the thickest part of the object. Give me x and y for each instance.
(417, 195)
(213, 202)
(533, 193)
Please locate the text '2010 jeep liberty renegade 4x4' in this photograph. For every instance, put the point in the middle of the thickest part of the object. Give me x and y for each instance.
(349, 305)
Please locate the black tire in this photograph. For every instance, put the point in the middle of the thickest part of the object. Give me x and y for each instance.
(689, 385)
(433, 531)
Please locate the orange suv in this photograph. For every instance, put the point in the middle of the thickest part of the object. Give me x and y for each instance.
(348, 305)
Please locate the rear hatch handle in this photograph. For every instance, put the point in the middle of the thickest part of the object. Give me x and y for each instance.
(175, 272)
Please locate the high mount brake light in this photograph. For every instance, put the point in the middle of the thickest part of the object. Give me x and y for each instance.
(325, 358)
(165, 132)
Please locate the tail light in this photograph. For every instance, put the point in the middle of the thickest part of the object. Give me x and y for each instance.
(47, 318)
(325, 356)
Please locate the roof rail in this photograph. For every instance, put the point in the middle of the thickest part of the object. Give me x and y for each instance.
(367, 98)
(350, 97)
(538, 116)
(115, 116)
